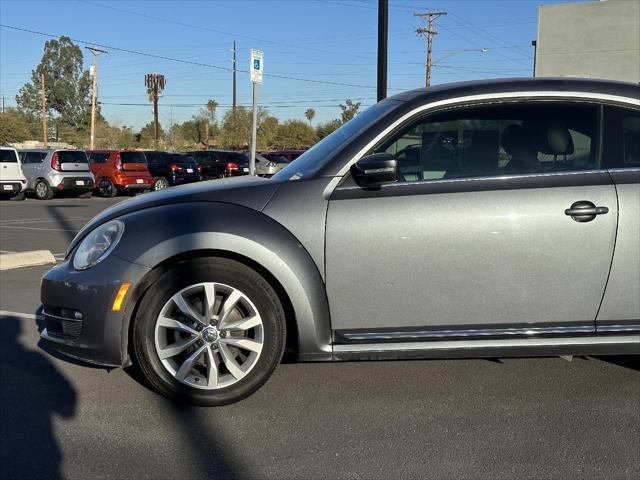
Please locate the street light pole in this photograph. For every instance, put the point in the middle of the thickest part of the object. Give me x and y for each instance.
(383, 35)
(94, 90)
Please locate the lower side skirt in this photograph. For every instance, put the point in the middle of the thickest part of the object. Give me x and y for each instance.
(526, 347)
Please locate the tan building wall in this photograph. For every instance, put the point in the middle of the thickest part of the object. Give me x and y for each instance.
(598, 39)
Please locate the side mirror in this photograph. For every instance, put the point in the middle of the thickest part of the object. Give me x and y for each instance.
(374, 170)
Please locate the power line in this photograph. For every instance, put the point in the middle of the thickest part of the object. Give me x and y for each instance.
(189, 62)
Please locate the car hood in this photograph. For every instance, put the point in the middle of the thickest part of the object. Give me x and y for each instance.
(251, 192)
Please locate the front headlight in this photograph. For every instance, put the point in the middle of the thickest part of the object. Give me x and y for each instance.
(98, 245)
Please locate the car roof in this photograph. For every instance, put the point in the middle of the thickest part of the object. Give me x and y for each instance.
(514, 85)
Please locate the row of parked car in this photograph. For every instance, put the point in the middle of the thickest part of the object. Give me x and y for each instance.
(106, 173)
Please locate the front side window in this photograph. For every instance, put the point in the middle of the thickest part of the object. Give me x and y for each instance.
(498, 140)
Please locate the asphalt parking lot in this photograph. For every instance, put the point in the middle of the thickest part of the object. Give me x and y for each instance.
(504, 418)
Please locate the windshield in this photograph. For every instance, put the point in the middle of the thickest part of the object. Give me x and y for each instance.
(311, 161)
(133, 157)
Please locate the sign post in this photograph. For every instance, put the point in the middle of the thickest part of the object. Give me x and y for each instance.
(256, 68)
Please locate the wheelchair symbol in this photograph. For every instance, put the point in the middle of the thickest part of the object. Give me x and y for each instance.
(256, 64)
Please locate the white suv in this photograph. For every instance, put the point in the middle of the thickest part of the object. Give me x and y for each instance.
(12, 182)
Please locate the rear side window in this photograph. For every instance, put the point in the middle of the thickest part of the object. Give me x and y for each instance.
(72, 156)
(133, 157)
(34, 157)
(8, 156)
(98, 157)
(631, 139)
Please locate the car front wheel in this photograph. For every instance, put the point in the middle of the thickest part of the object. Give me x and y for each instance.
(209, 332)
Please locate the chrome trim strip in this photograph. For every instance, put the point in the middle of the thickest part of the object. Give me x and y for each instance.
(485, 332)
(57, 317)
(618, 328)
(480, 344)
(530, 95)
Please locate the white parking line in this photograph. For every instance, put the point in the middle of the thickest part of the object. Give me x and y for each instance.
(27, 316)
(39, 220)
(37, 228)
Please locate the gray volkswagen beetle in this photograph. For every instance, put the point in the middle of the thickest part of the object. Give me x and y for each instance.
(483, 219)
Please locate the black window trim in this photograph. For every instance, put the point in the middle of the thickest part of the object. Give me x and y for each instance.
(348, 183)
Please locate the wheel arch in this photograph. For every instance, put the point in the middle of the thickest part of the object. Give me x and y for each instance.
(241, 234)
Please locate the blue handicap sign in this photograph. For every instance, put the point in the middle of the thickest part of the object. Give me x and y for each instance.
(256, 64)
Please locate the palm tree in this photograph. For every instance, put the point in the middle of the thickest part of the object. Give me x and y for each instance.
(310, 113)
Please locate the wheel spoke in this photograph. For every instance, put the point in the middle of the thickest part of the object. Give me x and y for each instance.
(176, 348)
(188, 364)
(209, 300)
(212, 369)
(243, 324)
(228, 306)
(187, 309)
(244, 343)
(230, 362)
(167, 322)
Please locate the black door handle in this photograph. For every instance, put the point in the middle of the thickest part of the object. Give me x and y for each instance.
(585, 211)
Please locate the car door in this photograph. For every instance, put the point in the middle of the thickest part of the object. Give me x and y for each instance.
(620, 310)
(31, 167)
(477, 237)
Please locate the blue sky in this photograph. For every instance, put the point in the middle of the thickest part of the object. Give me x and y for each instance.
(331, 41)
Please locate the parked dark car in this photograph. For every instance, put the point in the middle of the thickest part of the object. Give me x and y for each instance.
(478, 219)
(119, 171)
(171, 168)
(221, 163)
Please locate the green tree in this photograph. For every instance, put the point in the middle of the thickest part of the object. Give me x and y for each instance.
(324, 129)
(16, 126)
(67, 88)
(145, 138)
(349, 110)
(310, 113)
(235, 131)
(295, 134)
(267, 133)
(212, 105)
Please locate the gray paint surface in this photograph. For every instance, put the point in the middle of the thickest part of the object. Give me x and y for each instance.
(590, 39)
(498, 257)
(622, 298)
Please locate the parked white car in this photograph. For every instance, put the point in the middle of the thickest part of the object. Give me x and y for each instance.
(12, 182)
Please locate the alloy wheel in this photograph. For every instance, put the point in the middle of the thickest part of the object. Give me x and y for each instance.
(41, 190)
(160, 184)
(209, 335)
(105, 188)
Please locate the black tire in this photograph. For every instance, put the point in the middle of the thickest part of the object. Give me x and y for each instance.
(43, 191)
(18, 197)
(106, 188)
(88, 194)
(219, 270)
(160, 183)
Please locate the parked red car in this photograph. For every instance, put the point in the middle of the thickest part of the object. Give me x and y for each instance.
(290, 154)
(119, 171)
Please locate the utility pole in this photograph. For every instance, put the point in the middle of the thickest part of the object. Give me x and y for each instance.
(44, 113)
(233, 61)
(2, 103)
(383, 34)
(94, 92)
(428, 32)
(155, 83)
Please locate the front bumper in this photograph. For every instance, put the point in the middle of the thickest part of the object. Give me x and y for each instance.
(78, 317)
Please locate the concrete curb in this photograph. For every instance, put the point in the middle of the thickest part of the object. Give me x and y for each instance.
(10, 261)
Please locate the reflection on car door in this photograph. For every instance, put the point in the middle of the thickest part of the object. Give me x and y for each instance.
(475, 240)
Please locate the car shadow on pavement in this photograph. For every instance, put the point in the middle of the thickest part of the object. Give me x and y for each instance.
(627, 361)
(69, 229)
(32, 391)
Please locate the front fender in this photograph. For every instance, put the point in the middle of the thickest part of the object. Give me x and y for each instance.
(155, 235)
